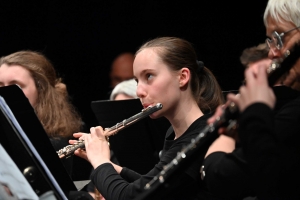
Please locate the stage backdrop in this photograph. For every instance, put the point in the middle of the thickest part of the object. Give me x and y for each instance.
(81, 38)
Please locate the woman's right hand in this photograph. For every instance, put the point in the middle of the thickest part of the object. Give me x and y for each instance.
(97, 149)
(256, 90)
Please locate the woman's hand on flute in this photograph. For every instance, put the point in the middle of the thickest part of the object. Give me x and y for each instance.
(256, 90)
(97, 149)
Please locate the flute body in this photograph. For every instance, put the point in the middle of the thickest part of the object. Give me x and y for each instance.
(70, 149)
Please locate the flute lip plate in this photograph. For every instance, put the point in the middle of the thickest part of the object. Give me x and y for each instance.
(159, 105)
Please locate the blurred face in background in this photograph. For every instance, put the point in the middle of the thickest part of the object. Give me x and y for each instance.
(121, 69)
(16, 74)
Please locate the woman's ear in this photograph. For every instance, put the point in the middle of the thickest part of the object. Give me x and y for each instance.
(184, 76)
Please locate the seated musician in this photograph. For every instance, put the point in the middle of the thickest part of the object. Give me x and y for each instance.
(268, 164)
(47, 94)
(167, 72)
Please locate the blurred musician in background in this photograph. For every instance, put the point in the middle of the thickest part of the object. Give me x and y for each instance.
(121, 68)
(47, 94)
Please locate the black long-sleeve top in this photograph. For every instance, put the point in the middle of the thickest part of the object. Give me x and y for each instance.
(272, 149)
(268, 152)
(129, 184)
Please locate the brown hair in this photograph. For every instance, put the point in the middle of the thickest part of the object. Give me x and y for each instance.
(254, 54)
(177, 53)
(53, 107)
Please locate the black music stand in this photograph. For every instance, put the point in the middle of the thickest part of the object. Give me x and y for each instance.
(33, 154)
(137, 146)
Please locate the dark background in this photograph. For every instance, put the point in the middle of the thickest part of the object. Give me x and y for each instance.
(81, 37)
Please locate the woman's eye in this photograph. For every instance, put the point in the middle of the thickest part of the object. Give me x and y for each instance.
(149, 76)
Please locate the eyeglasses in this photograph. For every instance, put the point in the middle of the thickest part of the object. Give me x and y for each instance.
(276, 39)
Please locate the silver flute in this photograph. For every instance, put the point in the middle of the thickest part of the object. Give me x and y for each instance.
(70, 149)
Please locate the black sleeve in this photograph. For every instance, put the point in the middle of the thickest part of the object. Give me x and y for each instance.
(226, 175)
(257, 134)
(113, 186)
(129, 175)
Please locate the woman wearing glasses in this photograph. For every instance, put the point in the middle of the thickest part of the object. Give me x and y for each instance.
(282, 22)
(269, 161)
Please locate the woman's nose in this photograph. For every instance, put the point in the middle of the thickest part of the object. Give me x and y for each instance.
(140, 90)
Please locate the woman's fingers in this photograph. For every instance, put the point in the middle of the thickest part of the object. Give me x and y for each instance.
(78, 135)
(81, 153)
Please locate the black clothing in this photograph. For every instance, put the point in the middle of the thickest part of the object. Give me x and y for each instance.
(226, 176)
(59, 143)
(130, 184)
(238, 174)
(79, 195)
(90, 187)
(82, 168)
(273, 151)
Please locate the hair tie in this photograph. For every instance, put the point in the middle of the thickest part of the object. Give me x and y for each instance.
(200, 66)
